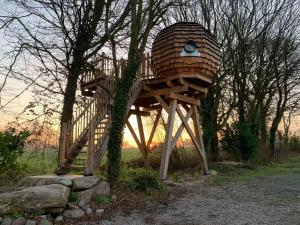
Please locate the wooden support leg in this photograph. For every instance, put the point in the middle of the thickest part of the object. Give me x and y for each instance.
(197, 127)
(168, 140)
(142, 139)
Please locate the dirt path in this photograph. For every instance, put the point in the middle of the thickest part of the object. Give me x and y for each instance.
(271, 200)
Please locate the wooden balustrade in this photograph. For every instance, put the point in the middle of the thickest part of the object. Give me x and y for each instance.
(104, 67)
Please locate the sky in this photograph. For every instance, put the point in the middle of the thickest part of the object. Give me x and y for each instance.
(14, 87)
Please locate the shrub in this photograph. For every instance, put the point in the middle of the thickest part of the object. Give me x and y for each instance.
(230, 141)
(294, 143)
(11, 147)
(141, 180)
(240, 141)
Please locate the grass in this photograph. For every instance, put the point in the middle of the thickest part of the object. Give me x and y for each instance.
(228, 173)
(38, 163)
(103, 199)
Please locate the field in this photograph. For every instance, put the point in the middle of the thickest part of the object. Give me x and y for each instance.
(183, 163)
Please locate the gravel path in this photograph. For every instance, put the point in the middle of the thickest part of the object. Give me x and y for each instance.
(271, 200)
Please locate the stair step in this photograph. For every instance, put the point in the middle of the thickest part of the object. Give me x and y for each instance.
(75, 166)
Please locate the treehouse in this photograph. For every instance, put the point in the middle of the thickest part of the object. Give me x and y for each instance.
(185, 57)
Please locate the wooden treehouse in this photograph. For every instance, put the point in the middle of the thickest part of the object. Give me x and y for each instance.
(184, 59)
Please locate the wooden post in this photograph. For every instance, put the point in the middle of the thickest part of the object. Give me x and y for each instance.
(197, 127)
(142, 139)
(168, 140)
(91, 146)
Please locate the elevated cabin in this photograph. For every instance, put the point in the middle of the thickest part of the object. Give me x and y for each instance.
(184, 59)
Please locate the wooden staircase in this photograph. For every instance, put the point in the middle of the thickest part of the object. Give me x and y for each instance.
(84, 139)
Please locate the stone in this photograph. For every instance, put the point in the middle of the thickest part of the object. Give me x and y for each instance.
(102, 188)
(83, 183)
(35, 199)
(59, 218)
(1, 219)
(45, 222)
(85, 197)
(73, 213)
(88, 211)
(7, 221)
(19, 221)
(31, 181)
(72, 206)
(212, 172)
(30, 222)
(100, 211)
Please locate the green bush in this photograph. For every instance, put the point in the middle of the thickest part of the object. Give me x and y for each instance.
(240, 141)
(294, 143)
(11, 147)
(141, 179)
(230, 141)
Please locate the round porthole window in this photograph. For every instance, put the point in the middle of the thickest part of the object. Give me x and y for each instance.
(190, 47)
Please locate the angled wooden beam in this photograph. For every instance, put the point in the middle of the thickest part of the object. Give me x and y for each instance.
(142, 139)
(136, 139)
(154, 127)
(189, 130)
(139, 112)
(193, 86)
(198, 131)
(184, 98)
(180, 129)
(168, 139)
(158, 98)
(163, 91)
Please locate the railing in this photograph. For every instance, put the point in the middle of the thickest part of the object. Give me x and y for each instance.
(104, 68)
(93, 117)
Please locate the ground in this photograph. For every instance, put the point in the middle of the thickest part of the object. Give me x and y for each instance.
(273, 200)
(260, 194)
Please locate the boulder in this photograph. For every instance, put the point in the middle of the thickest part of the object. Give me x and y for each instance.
(59, 219)
(83, 183)
(86, 196)
(88, 211)
(45, 222)
(35, 199)
(19, 221)
(102, 188)
(7, 221)
(73, 213)
(47, 179)
(30, 222)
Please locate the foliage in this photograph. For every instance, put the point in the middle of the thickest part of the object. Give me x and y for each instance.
(140, 179)
(247, 142)
(294, 143)
(103, 199)
(230, 140)
(240, 141)
(73, 197)
(11, 147)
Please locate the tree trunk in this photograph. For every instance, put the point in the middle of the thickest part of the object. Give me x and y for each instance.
(118, 117)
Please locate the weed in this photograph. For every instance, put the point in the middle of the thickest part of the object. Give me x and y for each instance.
(103, 199)
(73, 197)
